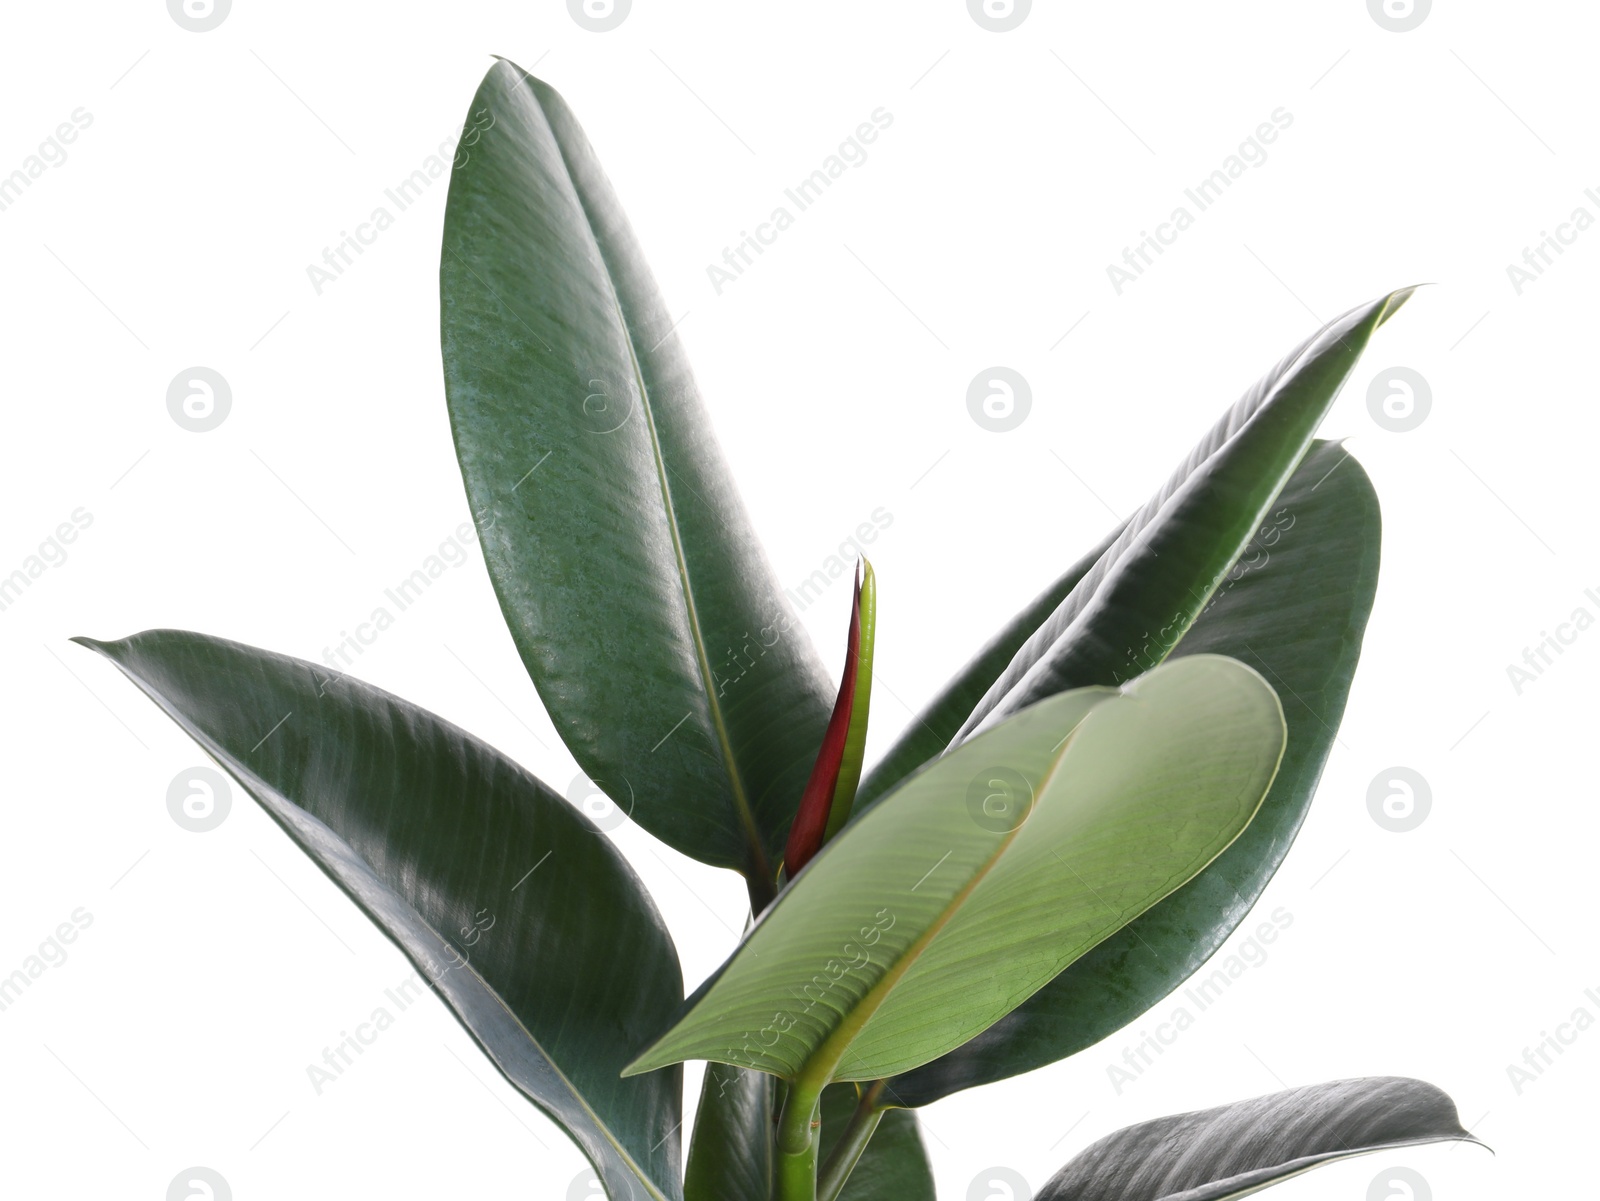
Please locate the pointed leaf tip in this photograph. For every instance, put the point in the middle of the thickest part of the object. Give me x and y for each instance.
(863, 631)
(424, 826)
(538, 253)
(1395, 301)
(831, 788)
(1236, 1150)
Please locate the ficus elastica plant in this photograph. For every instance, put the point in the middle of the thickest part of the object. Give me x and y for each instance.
(1060, 838)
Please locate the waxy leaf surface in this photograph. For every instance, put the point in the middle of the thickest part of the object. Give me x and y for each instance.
(731, 1154)
(1132, 607)
(958, 896)
(1295, 613)
(1234, 1150)
(632, 583)
(525, 920)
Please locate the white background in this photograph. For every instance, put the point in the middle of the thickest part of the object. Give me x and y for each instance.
(978, 232)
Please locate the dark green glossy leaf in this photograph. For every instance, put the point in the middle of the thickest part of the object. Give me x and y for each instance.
(1234, 1150)
(1297, 390)
(1133, 606)
(1297, 617)
(633, 585)
(526, 921)
(730, 1154)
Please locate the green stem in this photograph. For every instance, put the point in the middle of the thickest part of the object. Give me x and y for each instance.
(762, 892)
(847, 1152)
(797, 1140)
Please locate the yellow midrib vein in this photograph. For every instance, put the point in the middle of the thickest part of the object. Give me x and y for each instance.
(825, 1059)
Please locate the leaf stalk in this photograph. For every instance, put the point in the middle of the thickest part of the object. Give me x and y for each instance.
(857, 1134)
